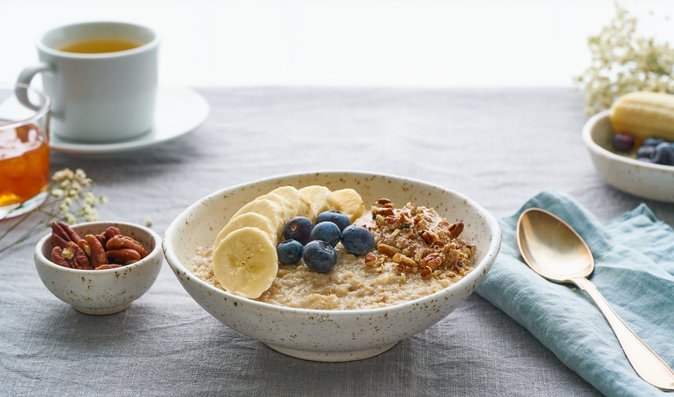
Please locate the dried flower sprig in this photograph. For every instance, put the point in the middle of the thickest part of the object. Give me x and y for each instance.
(70, 199)
(623, 62)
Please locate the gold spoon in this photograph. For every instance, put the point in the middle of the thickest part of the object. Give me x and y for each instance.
(555, 251)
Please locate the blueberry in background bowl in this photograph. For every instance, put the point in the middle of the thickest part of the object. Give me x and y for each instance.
(638, 177)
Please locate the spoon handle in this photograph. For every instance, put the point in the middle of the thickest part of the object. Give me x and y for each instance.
(647, 364)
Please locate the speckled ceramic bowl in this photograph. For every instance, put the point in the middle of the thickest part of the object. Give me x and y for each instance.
(328, 335)
(651, 181)
(102, 291)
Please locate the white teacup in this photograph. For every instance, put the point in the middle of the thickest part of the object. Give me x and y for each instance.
(98, 96)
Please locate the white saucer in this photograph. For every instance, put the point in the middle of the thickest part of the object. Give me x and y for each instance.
(178, 112)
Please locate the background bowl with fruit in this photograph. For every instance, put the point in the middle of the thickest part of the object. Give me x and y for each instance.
(632, 145)
(328, 335)
(99, 267)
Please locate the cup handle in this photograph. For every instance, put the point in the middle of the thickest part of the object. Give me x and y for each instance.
(25, 77)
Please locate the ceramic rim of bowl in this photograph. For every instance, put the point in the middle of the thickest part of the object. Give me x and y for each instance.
(475, 273)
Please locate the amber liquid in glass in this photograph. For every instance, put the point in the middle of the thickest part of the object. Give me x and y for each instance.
(24, 164)
(97, 46)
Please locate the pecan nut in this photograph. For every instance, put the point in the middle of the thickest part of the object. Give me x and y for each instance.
(388, 250)
(384, 202)
(370, 259)
(455, 230)
(125, 242)
(430, 237)
(384, 211)
(66, 232)
(111, 232)
(107, 266)
(400, 258)
(79, 257)
(123, 255)
(57, 257)
(96, 251)
(58, 235)
(433, 260)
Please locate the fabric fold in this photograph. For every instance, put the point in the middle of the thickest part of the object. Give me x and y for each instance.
(634, 270)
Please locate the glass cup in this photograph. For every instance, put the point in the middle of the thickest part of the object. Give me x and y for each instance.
(24, 149)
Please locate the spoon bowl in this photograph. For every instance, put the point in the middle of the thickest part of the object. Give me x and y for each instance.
(552, 248)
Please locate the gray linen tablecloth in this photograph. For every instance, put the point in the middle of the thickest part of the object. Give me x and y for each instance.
(497, 146)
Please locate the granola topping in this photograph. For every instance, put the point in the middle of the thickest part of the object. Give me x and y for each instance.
(419, 241)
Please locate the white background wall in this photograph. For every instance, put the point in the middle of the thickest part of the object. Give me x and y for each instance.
(348, 42)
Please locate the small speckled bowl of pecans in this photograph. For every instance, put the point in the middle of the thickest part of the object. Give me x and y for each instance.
(99, 267)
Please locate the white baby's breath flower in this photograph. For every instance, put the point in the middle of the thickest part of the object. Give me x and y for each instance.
(70, 198)
(91, 216)
(64, 174)
(64, 208)
(90, 198)
(623, 63)
(70, 218)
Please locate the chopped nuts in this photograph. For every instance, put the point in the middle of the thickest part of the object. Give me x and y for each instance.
(400, 258)
(370, 259)
(419, 241)
(455, 230)
(387, 249)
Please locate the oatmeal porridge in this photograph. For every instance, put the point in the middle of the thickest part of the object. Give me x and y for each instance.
(416, 253)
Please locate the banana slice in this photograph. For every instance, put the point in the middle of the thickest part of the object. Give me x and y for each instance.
(245, 262)
(292, 197)
(249, 219)
(348, 202)
(316, 197)
(282, 202)
(267, 208)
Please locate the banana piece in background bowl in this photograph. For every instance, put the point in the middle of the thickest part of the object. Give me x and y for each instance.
(644, 115)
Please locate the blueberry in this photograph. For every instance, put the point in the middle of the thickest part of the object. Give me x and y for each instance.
(299, 228)
(357, 240)
(289, 252)
(653, 141)
(623, 142)
(335, 217)
(646, 151)
(319, 256)
(327, 232)
(664, 154)
(645, 159)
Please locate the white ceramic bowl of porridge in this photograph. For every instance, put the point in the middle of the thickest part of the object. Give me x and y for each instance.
(329, 335)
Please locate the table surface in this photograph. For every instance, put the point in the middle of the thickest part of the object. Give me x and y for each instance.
(497, 146)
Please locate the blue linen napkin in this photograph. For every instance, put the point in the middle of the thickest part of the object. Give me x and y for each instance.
(634, 270)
